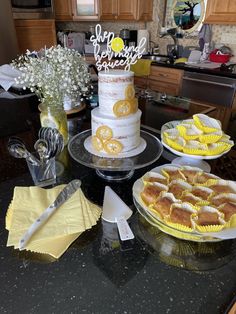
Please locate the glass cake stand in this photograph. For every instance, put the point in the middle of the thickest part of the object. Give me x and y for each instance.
(115, 169)
(186, 159)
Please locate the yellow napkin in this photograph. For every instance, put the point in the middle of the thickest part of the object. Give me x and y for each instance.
(142, 67)
(76, 215)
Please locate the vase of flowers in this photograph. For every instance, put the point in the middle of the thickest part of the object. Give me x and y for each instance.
(54, 74)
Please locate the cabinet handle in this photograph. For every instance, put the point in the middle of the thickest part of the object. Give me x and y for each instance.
(164, 75)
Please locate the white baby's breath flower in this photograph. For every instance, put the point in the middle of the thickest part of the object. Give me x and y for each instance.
(57, 73)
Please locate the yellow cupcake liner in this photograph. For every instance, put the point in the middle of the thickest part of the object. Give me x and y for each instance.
(208, 183)
(232, 221)
(202, 203)
(210, 228)
(204, 128)
(154, 213)
(194, 151)
(210, 138)
(179, 226)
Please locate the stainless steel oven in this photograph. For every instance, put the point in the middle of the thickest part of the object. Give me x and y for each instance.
(32, 9)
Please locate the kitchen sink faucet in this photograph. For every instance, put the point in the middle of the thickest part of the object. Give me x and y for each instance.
(172, 33)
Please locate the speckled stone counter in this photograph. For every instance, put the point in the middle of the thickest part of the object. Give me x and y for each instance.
(155, 273)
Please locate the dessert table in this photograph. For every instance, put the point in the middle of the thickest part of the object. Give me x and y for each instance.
(154, 273)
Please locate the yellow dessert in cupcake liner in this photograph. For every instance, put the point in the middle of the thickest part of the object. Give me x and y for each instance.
(218, 222)
(217, 148)
(195, 148)
(171, 133)
(151, 177)
(210, 138)
(206, 124)
(177, 143)
(222, 198)
(188, 131)
(208, 183)
(172, 173)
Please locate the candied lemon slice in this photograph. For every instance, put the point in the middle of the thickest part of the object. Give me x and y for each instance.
(113, 147)
(97, 143)
(122, 108)
(134, 105)
(104, 133)
(129, 91)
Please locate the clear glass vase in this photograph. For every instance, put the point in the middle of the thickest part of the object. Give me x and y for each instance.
(54, 117)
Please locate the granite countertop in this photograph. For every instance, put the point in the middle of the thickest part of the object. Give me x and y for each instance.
(187, 67)
(155, 273)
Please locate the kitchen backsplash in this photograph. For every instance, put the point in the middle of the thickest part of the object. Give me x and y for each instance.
(218, 31)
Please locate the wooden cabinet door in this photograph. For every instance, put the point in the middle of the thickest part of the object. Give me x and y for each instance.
(35, 34)
(63, 10)
(127, 10)
(221, 12)
(118, 10)
(145, 10)
(85, 10)
(108, 9)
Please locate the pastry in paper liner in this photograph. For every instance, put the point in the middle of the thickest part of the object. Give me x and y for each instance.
(171, 133)
(226, 139)
(224, 186)
(151, 192)
(188, 131)
(151, 177)
(209, 219)
(172, 173)
(217, 148)
(195, 148)
(188, 197)
(187, 122)
(178, 187)
(190, 173)
(206, 124)
(177, 143)
(222, 198)
(181, 217)
(163, 204)
(229, 210)
(209, 138)
(203, 192)
(205, 179)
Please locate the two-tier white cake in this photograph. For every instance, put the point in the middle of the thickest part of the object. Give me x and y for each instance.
(116, 122)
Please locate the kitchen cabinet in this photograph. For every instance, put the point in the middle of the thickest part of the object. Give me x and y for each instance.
(118, 10)
(76, 10)
(63, 10)
(35, 34)
(165, 80)
(220, 12)
(145, 10)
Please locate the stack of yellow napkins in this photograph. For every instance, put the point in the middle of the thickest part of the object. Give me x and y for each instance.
(75, 216)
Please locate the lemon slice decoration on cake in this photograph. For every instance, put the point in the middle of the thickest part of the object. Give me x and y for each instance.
(122, 108)
(129, 91)
(117, 44)
(104, 133)
(113, 147)
(49, 121)
(134, 105)
(97, 143)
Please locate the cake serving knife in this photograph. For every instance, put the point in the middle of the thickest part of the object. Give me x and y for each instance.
(63, 196)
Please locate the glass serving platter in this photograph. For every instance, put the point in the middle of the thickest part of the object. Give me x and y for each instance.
(154, 220)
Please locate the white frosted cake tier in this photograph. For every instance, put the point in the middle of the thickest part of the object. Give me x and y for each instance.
(125, 130)
(112, 87)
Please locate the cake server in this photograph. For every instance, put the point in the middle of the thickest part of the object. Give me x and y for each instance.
(62, 197)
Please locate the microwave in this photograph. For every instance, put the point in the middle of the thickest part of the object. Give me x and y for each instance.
(32, 9)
